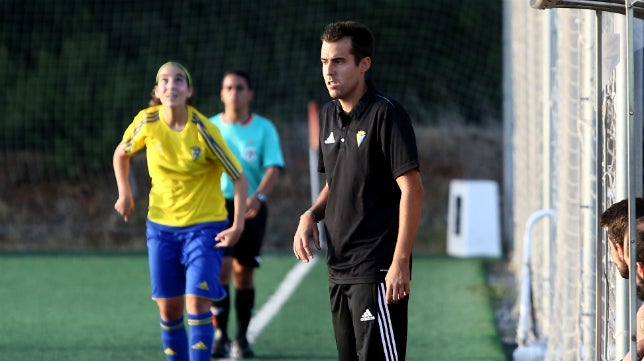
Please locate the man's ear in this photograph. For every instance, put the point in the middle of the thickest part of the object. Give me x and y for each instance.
(639, 266)
(365, 64)
(624, 246)
(619, 247)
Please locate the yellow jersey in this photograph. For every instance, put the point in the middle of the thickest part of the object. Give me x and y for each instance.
(185, 167)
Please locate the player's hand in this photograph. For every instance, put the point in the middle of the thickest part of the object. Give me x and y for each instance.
(397, 282)
(228, 237)
(307, 230)
(125, 207)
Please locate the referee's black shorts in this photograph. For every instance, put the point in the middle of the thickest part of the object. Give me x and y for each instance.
(366, 327)
(247, 249)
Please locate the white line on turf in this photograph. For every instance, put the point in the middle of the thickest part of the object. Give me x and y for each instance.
(276, 301)
(278, 298)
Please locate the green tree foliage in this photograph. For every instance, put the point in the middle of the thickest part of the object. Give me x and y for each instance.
(75, 72)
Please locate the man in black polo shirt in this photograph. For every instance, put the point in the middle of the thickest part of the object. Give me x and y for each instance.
(371, 201)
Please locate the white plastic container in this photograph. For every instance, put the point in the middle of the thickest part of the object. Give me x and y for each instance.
(473, 219)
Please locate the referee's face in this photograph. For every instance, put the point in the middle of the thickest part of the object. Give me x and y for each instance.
(235, 93)
(342, 75)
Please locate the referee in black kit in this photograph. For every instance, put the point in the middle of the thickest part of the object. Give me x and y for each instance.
(371, 202)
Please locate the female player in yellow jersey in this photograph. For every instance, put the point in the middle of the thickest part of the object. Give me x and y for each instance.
(187, 215)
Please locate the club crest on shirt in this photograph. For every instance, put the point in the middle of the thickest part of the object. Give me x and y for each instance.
(360, 136)
(195, 151)
(249, 154)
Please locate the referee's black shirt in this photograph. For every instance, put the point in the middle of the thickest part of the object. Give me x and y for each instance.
(362, 153)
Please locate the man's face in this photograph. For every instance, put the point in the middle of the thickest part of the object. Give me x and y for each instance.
(339, 69)
(235, 93)
(617, 254)
(620, 254)
(639, 282)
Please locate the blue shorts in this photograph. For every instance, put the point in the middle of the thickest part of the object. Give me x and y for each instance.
(184, 260)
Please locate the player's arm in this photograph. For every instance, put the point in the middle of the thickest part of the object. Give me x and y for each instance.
(268, 182)
(230, 236)
(307, 229)
(125, 203)
(411, 200)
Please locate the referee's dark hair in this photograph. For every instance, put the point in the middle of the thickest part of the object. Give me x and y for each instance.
(241, 73)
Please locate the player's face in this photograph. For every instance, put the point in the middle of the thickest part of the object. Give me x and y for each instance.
(342, 75)
(617, 254)
(639, 283)
(172, 86)
(235, 93)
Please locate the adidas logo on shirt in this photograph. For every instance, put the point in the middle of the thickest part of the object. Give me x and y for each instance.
(330, 139)
(367, 316)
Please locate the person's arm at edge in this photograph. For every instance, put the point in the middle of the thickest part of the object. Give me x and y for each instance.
(640, 336)
(398, 279)
(307, 229)
(125, 203)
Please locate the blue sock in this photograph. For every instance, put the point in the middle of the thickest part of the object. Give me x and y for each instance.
(202, 332)
(174, 340)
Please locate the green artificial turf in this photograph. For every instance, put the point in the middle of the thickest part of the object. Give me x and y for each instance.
(98, 307)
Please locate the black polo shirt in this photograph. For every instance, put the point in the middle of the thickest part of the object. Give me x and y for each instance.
(361, 154)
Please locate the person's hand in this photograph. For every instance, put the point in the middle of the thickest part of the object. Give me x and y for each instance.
(228, 237)
(125, 207)
(252, 207)
(397, 282)
(307, 231)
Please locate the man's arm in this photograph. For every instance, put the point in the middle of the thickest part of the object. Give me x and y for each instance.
(639, 345)
(268, 182)
(411, 200)
(307, 229)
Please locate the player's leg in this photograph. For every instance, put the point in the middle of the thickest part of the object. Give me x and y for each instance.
(173, 332)
(201, 328)
(203, 262)
(342, 323)
(221, 308)
(381, 329)
(244, 303)
(246, 259)
(168, 284)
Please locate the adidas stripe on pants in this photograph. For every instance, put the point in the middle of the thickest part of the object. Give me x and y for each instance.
(366, 328)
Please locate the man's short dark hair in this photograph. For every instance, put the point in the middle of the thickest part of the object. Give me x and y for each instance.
(615, 219)
(362, 40)
(241, 73)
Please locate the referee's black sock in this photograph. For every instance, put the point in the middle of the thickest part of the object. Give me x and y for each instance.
(222, 311)
(244, 302)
